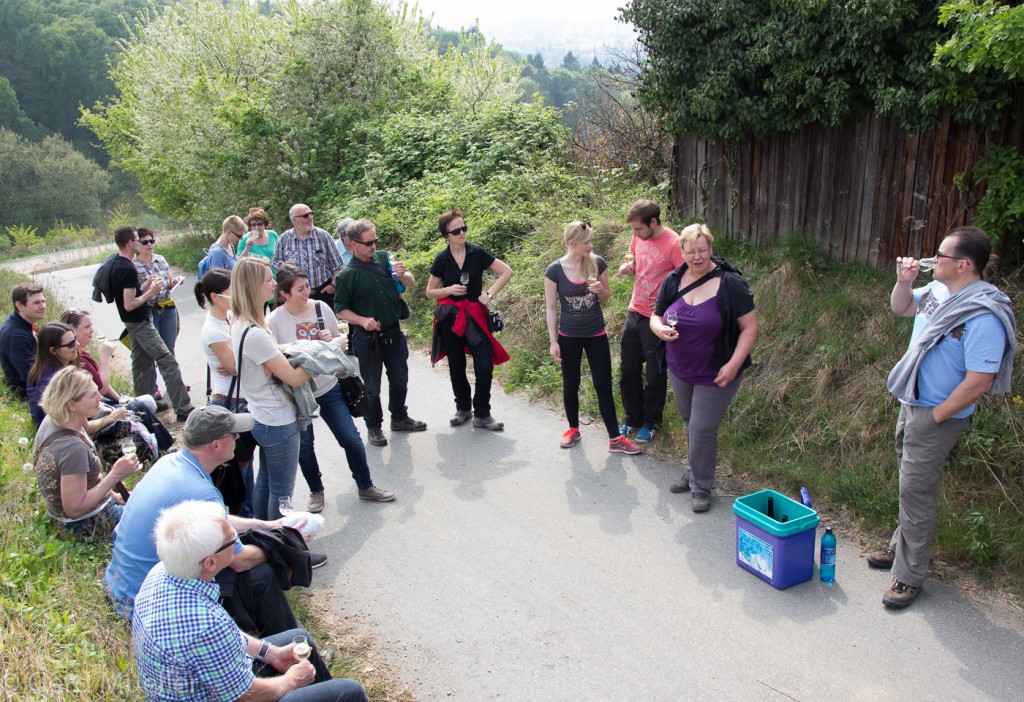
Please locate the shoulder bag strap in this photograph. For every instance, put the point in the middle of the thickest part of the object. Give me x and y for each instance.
(319, 316)
(237, 380)
(693, 286)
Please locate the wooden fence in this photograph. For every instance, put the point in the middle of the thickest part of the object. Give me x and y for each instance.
(868, 190)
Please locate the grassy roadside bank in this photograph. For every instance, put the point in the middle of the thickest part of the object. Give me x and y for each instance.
(59, 638)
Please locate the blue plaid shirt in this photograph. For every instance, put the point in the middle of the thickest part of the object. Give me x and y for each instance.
(186, 645)
(317, 254)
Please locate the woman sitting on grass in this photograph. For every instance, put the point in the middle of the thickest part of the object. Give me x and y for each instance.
(67, 464)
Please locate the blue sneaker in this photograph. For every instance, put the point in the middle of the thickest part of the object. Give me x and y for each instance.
(625, 429)
(645, 434)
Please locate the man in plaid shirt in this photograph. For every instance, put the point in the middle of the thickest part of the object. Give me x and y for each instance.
(312, 249)
(188, 648)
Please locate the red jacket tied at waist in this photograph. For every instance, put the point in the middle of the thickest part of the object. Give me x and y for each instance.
(461, 327)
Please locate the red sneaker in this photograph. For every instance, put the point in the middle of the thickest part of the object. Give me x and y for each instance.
(623, 445)
(570, 438)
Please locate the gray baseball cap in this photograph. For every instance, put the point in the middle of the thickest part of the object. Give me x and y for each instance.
(207, 424)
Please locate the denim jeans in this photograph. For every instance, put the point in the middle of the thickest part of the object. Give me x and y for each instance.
(165, 320)
(393, 355)
(104, 521)
(338, 419)
(279, 457)
(244, 451)
(323, 688)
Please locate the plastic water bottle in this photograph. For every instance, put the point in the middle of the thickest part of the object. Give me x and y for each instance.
(805, 497)
(827, 560)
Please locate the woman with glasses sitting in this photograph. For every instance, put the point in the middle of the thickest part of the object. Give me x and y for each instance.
(164, 313)
(460, 319)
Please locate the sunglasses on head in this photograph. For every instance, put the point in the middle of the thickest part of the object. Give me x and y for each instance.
(461, 230)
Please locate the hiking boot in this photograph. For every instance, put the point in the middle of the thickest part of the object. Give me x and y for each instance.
(162, 405)
(900, 595)
(317, 560)
(882, 559)
(316, 502)
(407, 424)
(700, 502)
(375, 494)
(623, 445)
(625, 430)
(488, 423)
(460, 418)
(645, 434)
(183, 415)
(571, 437)
(376, 436)
(682, 486)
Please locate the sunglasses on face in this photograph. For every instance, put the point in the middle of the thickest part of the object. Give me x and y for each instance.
(461, 230)
(305, 216)
(147, 242)
(371, 242)
(70, 345)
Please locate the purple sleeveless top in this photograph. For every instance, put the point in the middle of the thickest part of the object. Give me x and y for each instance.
(689, 357)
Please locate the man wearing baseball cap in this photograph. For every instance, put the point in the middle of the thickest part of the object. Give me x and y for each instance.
(256, 601)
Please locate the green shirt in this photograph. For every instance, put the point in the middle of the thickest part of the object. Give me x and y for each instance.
(368, 294)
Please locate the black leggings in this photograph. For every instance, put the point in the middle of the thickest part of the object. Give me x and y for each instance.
(599, 356)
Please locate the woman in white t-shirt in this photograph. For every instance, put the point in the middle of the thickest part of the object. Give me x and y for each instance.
(213, 293)
(275, 427)
(302, 319)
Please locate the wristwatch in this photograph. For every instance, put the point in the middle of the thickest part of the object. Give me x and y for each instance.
(264, 649)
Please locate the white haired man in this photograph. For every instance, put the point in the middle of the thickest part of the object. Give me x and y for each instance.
(188, 648)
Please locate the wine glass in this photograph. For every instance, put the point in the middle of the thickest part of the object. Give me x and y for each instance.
(342, 327)
(672, 318)
(284, 506)
(128, 446)
(301, 649)
(464, 279)
(926, 264)
(629, 257)
(592, 280)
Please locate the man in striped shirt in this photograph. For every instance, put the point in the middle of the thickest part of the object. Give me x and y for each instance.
(312, 249)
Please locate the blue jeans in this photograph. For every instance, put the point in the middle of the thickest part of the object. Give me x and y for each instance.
(392, 354)
(335, 414)
(99, 522)
(243, 458)
(323, 689)
(279, 457)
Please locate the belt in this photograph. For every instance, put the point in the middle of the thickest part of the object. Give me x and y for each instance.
(217, 397)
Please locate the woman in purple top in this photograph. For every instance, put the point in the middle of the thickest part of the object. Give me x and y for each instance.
(705, 315)
(578, 283)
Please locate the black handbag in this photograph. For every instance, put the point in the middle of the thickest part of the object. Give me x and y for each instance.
(495, 322)
(354, 392)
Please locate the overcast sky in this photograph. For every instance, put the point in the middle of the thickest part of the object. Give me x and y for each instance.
(454, 14)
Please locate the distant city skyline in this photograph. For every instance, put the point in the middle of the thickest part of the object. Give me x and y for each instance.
(588, 28)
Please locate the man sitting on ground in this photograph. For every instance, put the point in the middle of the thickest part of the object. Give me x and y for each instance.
(256, 601)
(17, 335)
(186, 645)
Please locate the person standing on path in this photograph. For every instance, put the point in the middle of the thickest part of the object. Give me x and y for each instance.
(578, 284)
(311, 249)
(18, 335)
(961, 348)
(654, 252)
(161, 307)
(367, 298)
(132, 298)
(456, 284)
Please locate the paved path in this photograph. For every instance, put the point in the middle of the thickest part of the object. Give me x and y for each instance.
(511, 569)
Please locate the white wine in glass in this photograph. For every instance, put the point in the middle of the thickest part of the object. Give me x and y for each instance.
(464, 279)
(284, 506)
(128, 446)
(302, 649)
(672, 319)
(629, 257)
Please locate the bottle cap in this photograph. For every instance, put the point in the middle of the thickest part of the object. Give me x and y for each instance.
(828, 530)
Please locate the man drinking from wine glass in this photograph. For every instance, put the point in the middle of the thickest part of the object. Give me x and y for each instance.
(188, 648)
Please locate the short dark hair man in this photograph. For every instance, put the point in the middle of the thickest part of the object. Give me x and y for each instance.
(132, 297)
(367, 298)
(961, 348)
(312, 249)
(17, 335)
(656, 253)
(257, 603)
(186, 645)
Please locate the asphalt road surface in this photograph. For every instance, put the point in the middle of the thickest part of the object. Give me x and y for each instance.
(511, 569)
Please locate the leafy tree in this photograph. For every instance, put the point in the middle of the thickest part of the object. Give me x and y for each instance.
(728, 69)
(12, 117)
(571, 63)
(536, 60)
(41, 184)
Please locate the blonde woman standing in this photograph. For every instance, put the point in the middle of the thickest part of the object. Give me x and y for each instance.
(574, 288)
(275, 427)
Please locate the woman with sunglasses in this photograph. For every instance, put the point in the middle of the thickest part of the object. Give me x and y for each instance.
(221, 253)
(262, 370)
(460, 319)
(81, 322)
(67, 465)
(57, 347)
(258, 240)
(574, 288)
(164, 313)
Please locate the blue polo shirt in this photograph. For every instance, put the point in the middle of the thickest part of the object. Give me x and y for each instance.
(172, 480)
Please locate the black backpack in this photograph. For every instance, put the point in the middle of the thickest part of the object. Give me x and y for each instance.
(101, 283)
